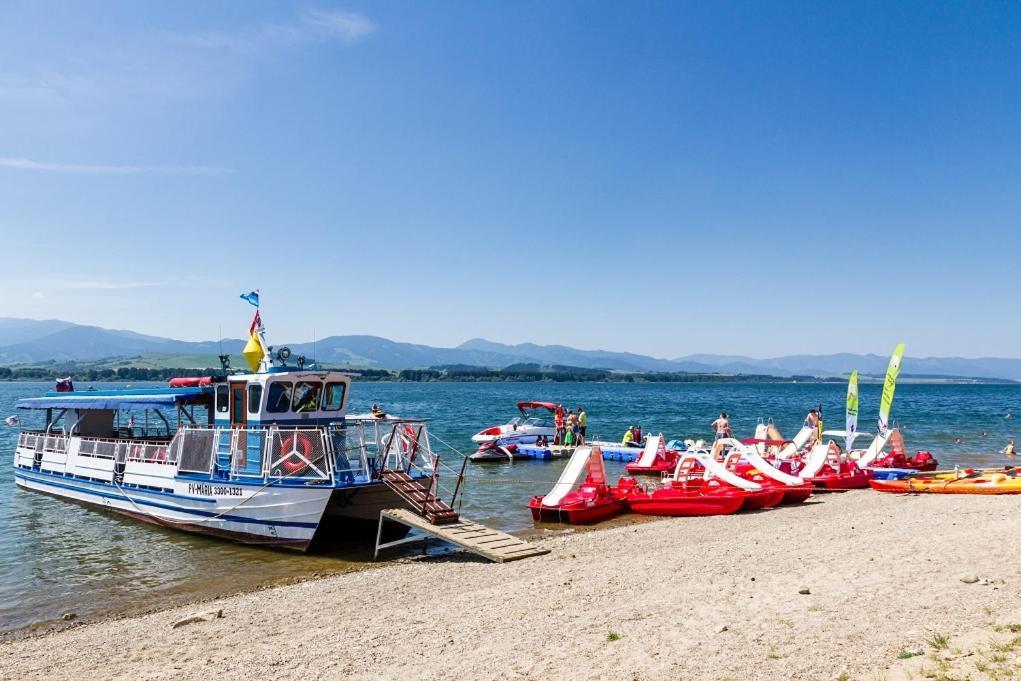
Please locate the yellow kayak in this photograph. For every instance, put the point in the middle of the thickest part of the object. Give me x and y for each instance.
(967, 481)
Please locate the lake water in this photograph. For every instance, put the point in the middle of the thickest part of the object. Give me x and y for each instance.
(56, 556)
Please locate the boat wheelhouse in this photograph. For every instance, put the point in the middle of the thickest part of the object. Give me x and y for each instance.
(269, 457)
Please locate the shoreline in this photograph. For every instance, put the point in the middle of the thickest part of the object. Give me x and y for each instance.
(713, 598)
(436, 549)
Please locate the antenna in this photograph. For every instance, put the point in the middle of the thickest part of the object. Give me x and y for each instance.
(220, 331)
(313, 345)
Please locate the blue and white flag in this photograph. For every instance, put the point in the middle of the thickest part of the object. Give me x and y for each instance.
(252, 297)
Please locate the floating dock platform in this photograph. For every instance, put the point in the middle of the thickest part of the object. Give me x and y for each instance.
(610, 452)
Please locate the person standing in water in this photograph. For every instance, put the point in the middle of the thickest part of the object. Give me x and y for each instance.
(1009, 451)
(721, 426)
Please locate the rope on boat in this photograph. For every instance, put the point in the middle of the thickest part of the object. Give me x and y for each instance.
(190, 522)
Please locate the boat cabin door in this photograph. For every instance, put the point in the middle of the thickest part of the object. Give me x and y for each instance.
(238, 406)
(235, 456)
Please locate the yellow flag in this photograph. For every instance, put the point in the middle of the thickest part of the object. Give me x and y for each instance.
(253, 353)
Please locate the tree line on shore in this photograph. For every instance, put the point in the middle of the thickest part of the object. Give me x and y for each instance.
(454, 373)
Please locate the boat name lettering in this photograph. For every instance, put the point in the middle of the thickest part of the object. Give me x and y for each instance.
(205, 489)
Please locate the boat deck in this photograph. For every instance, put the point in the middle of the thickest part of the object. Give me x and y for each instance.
(491, 544)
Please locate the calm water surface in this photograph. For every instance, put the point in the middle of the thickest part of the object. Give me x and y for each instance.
(56, 556)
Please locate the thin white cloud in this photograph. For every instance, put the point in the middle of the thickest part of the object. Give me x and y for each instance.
(90, 169)
(347, 26)
(99, 285)
(40, 289)
(311, 26)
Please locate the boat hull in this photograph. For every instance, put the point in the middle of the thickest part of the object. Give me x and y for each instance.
(767, 497)
(657, 468)
(858, 480)
(278, 516)
(672, 502)
(796, 494)
(577, 513)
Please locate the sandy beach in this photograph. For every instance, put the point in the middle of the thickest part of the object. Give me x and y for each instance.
(692, 598)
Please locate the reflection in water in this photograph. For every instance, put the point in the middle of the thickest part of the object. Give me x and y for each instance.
(59, 556)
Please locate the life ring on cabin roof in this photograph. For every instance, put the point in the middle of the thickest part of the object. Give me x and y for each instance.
(291, 461)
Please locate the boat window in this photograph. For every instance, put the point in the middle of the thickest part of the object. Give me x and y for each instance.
(279, 398)
(254, 398)
(222, 398)
(333, 400)
(306, 395)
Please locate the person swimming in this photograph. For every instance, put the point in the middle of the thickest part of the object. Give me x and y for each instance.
(1009, 450)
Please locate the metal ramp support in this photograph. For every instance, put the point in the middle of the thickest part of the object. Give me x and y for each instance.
(491, 544)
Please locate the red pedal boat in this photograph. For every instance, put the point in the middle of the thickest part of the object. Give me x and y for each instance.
(591, 502)
(792, 492)
(678, 498)
(655, 459)
(704, 468)
(898, 458)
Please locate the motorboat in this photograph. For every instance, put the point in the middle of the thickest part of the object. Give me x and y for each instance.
(498, 443)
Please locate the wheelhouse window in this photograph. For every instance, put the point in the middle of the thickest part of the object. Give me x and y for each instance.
(278, 399)
(222, 398)
(306, 396)
(333, 398)
(254, 398)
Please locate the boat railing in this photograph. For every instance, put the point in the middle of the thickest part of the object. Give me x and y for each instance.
(141, 451)
(257, 452)
(97, 447)
(296, 453)
(421, 460)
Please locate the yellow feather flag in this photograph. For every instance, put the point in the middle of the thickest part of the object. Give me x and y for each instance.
(253, 352)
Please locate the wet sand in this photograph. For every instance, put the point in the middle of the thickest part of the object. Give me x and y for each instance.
(711, 598)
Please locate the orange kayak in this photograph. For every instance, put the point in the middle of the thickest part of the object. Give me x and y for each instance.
(967, 481)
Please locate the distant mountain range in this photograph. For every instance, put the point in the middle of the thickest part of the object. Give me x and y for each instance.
(24, 341)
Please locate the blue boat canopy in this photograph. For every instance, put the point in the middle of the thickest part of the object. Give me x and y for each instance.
(164, 398)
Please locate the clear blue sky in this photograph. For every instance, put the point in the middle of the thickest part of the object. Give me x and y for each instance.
(760, 178)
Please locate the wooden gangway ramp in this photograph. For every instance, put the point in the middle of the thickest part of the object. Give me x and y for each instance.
(494, 545)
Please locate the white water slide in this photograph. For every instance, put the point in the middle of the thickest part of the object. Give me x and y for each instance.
(653, 446)
(575, 467)
(714, 468)
(751, 455)
(875, 449)
(815, 460)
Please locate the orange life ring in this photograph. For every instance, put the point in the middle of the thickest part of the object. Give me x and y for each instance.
(290, 462)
